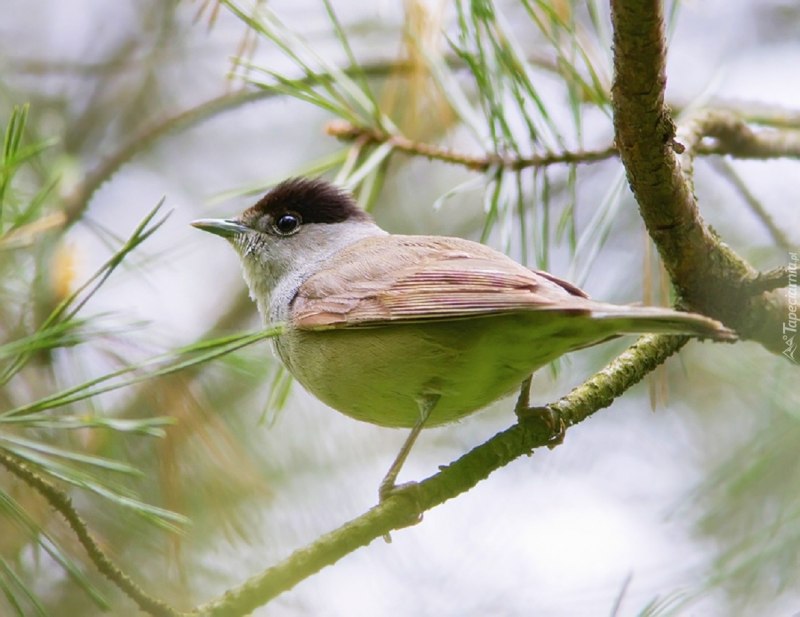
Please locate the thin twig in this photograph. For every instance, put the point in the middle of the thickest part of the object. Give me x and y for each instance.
(349, 132)
(732, 138)
(756, 112)
(61, 502)
(771, 279)
(735, 138)
(77, 202)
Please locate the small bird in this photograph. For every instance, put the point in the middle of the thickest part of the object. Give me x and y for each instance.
(411, 331)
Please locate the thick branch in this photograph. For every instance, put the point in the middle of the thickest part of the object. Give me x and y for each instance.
(407, 505)
(707, 274)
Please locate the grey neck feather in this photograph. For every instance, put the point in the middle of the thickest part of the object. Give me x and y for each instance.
(274, 268)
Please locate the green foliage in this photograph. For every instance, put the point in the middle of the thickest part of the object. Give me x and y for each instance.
(32, 433)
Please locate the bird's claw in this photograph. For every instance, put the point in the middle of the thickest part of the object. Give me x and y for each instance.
(546, 418)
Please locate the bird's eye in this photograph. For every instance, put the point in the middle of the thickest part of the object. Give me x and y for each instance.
(287, 223)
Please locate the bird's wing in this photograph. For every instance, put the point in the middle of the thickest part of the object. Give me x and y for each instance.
(420, 278)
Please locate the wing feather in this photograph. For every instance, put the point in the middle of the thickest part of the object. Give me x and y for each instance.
(418, 278)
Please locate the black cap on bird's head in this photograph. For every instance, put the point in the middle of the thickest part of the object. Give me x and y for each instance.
(314, 199)
(288, 206)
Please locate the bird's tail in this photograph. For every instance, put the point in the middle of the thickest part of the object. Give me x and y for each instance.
(657, 320)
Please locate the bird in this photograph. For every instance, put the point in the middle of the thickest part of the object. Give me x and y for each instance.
(412, 331)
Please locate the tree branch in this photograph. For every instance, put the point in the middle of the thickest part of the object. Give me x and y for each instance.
(772, 279)
(406, 506)
(764, 114)
(61, 502)
(77, 201)
(708, 275)
(734, 137)
(349, 132)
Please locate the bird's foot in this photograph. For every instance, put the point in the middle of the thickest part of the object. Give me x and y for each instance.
(546, 420)
(408, 491)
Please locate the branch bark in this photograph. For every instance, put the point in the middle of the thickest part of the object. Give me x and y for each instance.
(708, 275)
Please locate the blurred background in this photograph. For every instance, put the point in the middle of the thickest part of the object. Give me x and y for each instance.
(682, 498)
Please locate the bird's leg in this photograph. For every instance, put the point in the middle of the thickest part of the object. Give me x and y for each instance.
(524, 398)
(387, 485)
(544, 415)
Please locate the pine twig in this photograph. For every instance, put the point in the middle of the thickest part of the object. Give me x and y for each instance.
(732, 136)
(349, 132)
(61, 502)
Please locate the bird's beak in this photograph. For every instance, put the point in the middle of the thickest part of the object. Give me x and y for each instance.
(221, 227)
